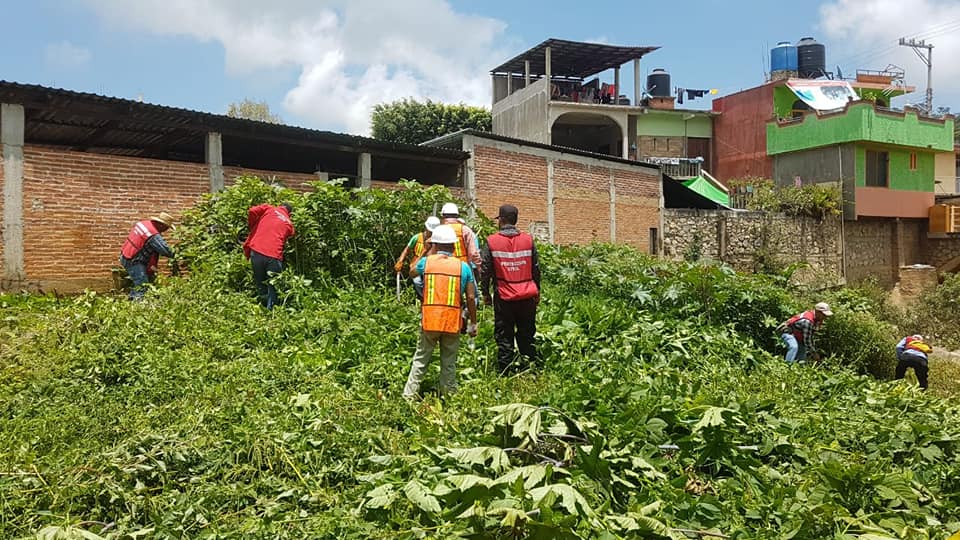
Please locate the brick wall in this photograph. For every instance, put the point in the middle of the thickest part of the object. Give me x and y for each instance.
(515, 174)
(292, 180)
(79, 207)
(651, 146)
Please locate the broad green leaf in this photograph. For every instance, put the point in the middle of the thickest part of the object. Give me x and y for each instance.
(381, 497)
(531, 474)
(418, 494)
(713, 416)
(570, 499)
(481, 455)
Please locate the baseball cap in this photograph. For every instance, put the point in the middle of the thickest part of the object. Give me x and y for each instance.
(824, 308)
(507, 211)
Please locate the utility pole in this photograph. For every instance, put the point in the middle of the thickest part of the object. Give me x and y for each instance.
(926, 59)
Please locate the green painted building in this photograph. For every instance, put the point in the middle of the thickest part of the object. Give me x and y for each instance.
(885, 160)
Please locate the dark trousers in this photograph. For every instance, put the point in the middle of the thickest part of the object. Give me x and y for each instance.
(919, 368)
(515, 320)
(263, 269)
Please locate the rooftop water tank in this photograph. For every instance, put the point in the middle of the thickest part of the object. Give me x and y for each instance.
(783, 57)
(811, 58)
(658, 83)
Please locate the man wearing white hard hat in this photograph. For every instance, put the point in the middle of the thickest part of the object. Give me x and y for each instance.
(417, 245)
(142, 249)
(448, 285)
(467, 248)
(798, 331)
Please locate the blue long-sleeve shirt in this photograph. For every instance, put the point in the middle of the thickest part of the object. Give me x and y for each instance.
(155, 244)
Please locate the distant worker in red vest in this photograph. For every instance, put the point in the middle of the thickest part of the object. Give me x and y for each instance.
(418, 245)
(511, 263)
(912, 352)
(142, 249)
(270, 226)
(798, 331)
(467, 248)
(446, 281)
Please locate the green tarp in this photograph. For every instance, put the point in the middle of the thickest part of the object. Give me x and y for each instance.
(706, 188)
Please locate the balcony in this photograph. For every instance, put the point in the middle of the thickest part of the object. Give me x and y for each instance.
(861, 121)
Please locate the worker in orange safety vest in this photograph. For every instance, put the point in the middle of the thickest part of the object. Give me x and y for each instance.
(446, 281)
(797, 333)
(142, 249)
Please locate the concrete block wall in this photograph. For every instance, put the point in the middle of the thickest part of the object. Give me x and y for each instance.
(744, 239)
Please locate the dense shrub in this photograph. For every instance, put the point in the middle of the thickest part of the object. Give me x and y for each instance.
(937, 313)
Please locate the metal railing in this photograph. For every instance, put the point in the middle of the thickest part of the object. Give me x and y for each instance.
(677, 167)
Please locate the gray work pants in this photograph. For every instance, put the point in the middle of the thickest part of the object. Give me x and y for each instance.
(449, 344)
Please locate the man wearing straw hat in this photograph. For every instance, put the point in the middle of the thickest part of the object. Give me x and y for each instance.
(142, 250)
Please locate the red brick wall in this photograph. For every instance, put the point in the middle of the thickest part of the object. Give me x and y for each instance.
(581, 193)
(78, 208)
(297, 181)
(740, 134)
(515, 178)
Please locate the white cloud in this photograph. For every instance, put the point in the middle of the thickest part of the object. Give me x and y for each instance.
(66, 55)
(864, 34)
(352, 54)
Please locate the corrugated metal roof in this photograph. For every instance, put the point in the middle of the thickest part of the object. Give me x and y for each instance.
(572, 58)
(84, 120)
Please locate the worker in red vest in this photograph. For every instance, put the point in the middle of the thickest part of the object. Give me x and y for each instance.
(511, 263)
(798, 331)
(142, 249)
(270, 226)
(446, 281)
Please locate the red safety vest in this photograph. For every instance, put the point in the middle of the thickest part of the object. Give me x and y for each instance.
(441, 294)
(139, 234)
(808, 315)
(270, 226)
(513, 266)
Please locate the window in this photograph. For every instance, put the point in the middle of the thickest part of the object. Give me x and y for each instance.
(877, 168)
(913, 161)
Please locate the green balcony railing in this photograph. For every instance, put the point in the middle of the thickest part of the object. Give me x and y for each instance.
(861, 122)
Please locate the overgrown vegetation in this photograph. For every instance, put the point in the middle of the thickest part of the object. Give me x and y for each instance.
(663, 409)
(413, 122)
(812, 200)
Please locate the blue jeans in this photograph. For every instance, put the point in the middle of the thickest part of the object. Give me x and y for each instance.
(263, 269)
(138, 275)
(796, 351)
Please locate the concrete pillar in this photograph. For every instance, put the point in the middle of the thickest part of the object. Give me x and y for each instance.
(616, 85)
(551, 222)
(11, 142)
(214, 152)
(322, 176)
(637, 89)
(526, 73)
(469, 177)
(625, 151)
(363, 170)
(548, 68)
(613, 207)
(509, 83)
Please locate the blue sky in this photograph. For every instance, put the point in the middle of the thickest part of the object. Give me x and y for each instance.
(323, 64)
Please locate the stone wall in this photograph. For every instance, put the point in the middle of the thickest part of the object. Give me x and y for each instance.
(753, 241)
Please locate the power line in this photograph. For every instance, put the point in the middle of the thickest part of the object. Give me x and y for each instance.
(926, 59)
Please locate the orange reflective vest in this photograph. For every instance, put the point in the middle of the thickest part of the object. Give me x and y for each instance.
(917, 345)
(441, 294)
(420, 247)
(459, 249)
(513, 266)
(808, 315)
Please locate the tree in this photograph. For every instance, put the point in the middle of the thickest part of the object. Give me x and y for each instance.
(253, 110)
(411, 121)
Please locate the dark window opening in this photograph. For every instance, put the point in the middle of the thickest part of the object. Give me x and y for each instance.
(913, 161)
(878, 165)
(652, 244)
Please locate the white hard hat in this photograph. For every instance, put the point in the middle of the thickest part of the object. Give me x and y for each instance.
(449, 209)
(432, 223)
(444, 234)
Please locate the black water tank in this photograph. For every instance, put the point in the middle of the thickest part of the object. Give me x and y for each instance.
(811, 58)
(658, 83)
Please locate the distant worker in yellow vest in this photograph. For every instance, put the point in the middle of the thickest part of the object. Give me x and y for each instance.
(912, 352)
(467, 248)
(446, 281)
(418, 245)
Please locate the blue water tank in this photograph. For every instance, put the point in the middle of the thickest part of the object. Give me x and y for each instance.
(783, 57)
